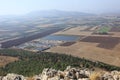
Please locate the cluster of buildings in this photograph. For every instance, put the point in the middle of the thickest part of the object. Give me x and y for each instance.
(39, 45)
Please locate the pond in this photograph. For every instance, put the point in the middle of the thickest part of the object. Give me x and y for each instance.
(62, 37)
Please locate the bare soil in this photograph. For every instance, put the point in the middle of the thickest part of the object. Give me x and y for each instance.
(7, 59)
(67, 43)
(104, 42)
(90, 51)
(115, 29)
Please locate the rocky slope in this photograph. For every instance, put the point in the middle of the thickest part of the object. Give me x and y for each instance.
(70, 73)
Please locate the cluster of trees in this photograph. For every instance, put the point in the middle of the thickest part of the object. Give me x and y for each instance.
(31, 63)
(104, 30)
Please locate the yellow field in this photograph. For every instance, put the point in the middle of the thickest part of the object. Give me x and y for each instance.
(91, 52)
(6, 59)
(74, 31)
(80, 31)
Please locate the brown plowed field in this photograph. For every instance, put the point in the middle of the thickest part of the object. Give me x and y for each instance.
(115, 29)
(104, 42)
(68, 44)
(19, 41)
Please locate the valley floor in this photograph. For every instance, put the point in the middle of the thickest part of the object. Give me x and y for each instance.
(103, 48)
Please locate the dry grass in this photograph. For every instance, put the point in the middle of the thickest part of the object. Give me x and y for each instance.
(115, 34)
(30, 78)
(90, 51)
(95, 76)
(117, 48)
(6, 59)
(80, 31)
(75, 31)
(94, 28)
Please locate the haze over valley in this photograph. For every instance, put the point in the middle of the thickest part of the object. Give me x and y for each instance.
(60, 40)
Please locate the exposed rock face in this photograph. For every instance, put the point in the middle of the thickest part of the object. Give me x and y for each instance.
(76, 74)
(114, 75)
(13, 77)
(69, 73)
(47, 74)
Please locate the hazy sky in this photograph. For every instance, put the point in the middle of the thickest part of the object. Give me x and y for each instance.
(25, 6)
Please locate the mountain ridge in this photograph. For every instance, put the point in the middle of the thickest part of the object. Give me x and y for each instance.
(58, 13)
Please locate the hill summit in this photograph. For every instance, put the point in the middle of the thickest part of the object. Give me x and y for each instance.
(70, 73)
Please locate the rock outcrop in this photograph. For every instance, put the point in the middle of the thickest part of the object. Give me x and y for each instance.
(70, 73)
(76, 74)
(114, 75)
(13, 77)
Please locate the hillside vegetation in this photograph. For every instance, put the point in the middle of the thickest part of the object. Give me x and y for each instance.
(30, 63)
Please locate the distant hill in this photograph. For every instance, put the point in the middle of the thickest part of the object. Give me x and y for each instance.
(115, 13)
(47, 13)
(57, 13)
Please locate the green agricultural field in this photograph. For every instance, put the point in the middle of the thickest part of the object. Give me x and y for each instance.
(104, 30)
